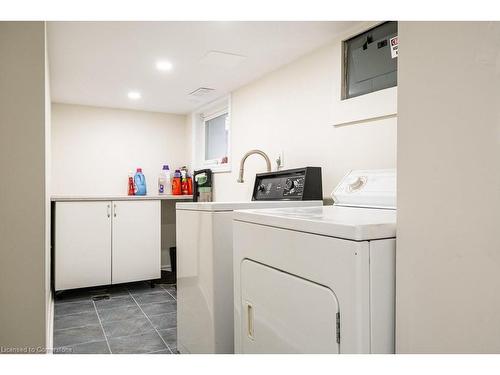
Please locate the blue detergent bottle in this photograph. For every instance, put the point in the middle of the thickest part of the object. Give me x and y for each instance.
(140, 183)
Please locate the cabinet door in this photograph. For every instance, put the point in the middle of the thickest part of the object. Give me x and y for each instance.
(82, 244)
(136, 253)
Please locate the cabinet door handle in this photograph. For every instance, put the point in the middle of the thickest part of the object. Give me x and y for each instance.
(107, 210)
(114, 210)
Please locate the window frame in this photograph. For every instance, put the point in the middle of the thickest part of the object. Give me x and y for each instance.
(199, 118)
(206, 118)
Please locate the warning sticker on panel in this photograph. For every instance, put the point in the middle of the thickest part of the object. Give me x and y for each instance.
(394, 47)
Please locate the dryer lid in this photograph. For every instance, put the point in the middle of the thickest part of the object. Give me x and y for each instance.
(374, 188)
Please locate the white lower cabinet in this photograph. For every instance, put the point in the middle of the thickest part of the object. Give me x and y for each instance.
(136, 250)
(82, 244)
(106, 242)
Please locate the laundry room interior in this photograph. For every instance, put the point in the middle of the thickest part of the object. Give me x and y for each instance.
(250, 187)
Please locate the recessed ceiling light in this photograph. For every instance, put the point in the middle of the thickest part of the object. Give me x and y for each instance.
(164, 65)
(134, 95)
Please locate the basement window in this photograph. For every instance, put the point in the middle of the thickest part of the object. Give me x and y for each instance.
(216, 138)
(370, 61)
(212, 136)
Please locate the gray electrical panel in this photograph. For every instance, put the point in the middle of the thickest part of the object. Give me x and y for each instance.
(368, 63)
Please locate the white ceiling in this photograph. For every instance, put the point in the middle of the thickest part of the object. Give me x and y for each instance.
(98, 63)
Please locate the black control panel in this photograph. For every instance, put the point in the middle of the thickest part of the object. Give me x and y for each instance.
(291, 184)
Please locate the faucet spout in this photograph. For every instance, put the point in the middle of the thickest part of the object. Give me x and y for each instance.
(242, 162)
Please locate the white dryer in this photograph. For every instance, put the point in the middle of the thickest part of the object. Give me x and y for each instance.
(205, 256)
(319, 279)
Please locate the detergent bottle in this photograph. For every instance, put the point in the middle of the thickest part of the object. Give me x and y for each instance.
(140, 182)
(131, 185)
(184, 182)
(176, 183)
(164, 181)
(190, 185)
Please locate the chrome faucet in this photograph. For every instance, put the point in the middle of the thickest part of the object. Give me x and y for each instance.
(251, 152)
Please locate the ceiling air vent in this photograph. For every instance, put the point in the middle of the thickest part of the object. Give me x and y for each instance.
(201, 91)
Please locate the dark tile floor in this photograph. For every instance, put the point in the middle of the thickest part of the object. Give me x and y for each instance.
(130, 318)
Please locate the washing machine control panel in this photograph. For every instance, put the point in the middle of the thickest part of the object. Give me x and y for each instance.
(293, 184)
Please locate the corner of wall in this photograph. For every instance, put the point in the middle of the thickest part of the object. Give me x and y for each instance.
(49, 307)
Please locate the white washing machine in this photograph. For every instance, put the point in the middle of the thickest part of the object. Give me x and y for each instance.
(205, 256)
(319, 279)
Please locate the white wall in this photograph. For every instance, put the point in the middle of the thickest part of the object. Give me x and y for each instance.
(94, 148)
(293, 109)
(24, 226)
(448, 245)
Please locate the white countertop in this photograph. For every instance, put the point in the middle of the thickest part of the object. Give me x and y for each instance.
(72, 198)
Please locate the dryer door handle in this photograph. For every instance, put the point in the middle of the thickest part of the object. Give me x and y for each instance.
(250, 326)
